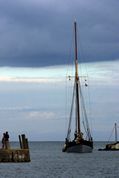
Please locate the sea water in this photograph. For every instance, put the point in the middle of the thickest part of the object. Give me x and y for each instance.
(48, 161)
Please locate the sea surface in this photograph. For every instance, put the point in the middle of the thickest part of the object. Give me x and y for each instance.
(48, 161)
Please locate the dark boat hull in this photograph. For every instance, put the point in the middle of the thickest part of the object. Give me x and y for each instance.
(101, 149)
(78, 148)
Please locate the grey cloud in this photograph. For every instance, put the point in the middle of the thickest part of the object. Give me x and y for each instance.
(37, 33)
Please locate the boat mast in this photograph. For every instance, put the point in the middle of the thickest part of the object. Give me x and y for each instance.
(115, 132)
(77, 83)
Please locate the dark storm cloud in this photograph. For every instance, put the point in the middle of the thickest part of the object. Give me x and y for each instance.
(38, 33)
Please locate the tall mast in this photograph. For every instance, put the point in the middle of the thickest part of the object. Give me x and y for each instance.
(77, 83)
(115, 132)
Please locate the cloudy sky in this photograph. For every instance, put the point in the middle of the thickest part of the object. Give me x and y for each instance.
(39, 33)
(36, 44)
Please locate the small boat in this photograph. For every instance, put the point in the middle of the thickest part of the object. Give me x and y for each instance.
(112, 146)
(78, 144)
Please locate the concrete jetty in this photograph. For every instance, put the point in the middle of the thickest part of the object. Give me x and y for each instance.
(21, 154)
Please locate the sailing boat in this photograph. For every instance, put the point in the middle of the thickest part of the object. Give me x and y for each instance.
(78, 144)
(112, 146)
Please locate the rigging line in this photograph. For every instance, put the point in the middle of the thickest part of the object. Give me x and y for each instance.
(90, 109)
(65, 99)
(69, 69)
(89, 100)
(83, 118)
(111, 134)
(70, 56)
(82, 115)
(84, 109)
(87, 94)
(84, 127)
(82, 56)
(70, 66)
(70, 118)
(66, 86)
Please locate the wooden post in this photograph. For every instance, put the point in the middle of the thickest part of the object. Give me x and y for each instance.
(27, 146)
(23, 141)
(20, 142)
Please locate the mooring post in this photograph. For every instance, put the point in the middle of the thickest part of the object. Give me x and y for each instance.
(27, 145)
(23, 141)
(20, 142)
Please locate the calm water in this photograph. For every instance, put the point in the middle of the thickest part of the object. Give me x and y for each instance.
(48, 161)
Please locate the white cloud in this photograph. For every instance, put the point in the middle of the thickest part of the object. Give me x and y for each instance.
(105, 73)
(29, 80)
(33, 75)
(41, 115)
(13, 108)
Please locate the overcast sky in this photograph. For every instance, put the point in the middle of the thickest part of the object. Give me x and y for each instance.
(40, 32)
(37, 101)
(36, 44)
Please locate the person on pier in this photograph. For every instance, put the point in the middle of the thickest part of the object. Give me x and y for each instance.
(3, 141)
(7, 145)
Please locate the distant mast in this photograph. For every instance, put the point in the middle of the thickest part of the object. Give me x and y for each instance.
(115, 132)
(77, 84)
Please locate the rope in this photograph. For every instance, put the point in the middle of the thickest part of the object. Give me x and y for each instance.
(70, 118)
(85, 114)
(111, 134)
